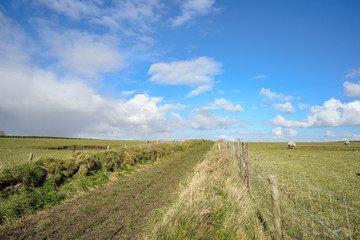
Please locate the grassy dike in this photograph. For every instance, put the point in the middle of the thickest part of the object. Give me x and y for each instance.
(33, 186)
(212, 204)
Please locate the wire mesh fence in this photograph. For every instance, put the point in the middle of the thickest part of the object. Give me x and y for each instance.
(308, 211)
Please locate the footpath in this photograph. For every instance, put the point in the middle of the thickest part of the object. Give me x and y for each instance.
(120, 210)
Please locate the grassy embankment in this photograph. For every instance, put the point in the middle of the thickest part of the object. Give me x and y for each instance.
(32, 186)
(212, 204)
(16, 150)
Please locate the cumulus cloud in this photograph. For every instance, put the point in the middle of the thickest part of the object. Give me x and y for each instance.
(331, 136)
(83, 53)
(284, 132)
(199, 71)
(286, 107)
(192, 8)
(204, 119)
(178, 122)
(274, 96)
(352, 89)
(226, 105)
(36, 101)
(199, 90)
(303, 106)
(332, 113)
(353, 73)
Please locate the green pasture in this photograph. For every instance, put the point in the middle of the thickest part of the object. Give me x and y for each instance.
(330, 165)
(16, 150)
(317, 171)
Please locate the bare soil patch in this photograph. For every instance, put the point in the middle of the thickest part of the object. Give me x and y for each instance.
(121, 210)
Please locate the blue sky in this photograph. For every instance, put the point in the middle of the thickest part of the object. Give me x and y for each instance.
(152, 69)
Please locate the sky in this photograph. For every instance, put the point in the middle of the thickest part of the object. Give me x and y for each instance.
(257, 70)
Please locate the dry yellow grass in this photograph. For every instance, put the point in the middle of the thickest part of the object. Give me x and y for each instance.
(212, 204)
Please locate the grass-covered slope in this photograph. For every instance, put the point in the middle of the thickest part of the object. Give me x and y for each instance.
(213, 204)
(33, 186)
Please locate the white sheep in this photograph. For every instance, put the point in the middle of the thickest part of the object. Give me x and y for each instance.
(291, 145)
(347, 143)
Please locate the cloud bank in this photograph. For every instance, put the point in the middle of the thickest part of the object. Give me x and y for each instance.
(332, 113)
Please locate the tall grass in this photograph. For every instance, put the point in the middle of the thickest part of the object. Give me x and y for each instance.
(212, 204)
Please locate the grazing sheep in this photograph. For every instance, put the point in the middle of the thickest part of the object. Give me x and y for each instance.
(347, 143)
(291, 145)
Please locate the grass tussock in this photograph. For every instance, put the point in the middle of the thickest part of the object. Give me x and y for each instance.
(213, 204)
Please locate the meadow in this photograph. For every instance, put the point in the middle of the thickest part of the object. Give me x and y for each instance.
(16, 150)
(318, 184)
(331, 165)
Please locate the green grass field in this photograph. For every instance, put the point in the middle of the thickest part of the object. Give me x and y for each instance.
(321, 175)
(16, 150)
(332, 165)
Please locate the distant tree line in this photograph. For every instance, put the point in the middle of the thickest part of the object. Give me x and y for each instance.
(2, 133)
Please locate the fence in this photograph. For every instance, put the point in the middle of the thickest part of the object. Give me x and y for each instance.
(308, 211)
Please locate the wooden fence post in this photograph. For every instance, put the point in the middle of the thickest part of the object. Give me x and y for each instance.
(275, 199)
(238, 153)
(74, 149)
(31, 156)
(219, 146)
(246, 171)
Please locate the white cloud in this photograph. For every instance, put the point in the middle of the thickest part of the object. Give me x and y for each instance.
(330, 136)
(137, 15)
(36, 101)
(286, 107)
(226, 105)
(277, 132)
(352, 89)
(199, 71)
(179, 122)
(14, 44)
(332, 114)
(199, 90)
(204, 119)
(83, 53)
(127, 93)
(353, 73)
(261, 76)
(284, 133)
(74, 8)
(274, 96)
(303, 106)
(191, 9)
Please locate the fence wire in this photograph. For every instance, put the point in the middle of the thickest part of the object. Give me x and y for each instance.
(308, 210)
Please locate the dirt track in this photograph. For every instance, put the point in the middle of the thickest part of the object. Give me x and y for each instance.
(120, 210)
